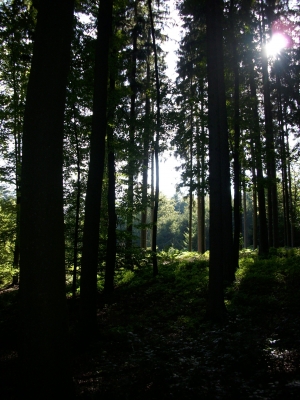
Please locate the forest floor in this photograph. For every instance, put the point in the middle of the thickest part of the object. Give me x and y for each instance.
(154, 341)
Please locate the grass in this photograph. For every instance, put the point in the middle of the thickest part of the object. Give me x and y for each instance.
(154, 342)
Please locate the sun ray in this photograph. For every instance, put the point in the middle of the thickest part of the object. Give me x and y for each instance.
(278, 42)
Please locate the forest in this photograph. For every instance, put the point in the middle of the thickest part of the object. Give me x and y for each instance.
(108, 287)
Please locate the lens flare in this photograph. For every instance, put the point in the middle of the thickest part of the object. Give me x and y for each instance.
(278, 42)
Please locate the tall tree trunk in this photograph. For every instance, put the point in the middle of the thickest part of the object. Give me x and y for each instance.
(190, 219)
(221, 243)
(284, 172)
(111, 199)
(191, 177)
(77, 210)
(201, 222)
(290, 193)
(201, 179)
(89, 264)
(270, 153)
(254, 194)
(152, 194)
(18, 162)
(156, 147)
(236, 151)
(131, 158)
(146, 157)
(263, 229)
(245, 215)
(43, 337)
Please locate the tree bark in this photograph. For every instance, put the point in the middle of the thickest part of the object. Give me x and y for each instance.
(111, 247)
(270, 154)
(291, 206)
(245, 216)
(221, 244)
(254, 194)
(156, 147)
(43, 341)
(89, 264)
(201, 166)
(201, 222)
(236, 154)
(191, 178)
(146, 157)
(284, 161)
(18, 93)
(77, 210)
(132, 127)
(263, 228)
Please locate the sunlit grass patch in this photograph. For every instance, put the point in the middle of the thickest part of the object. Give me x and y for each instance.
(6, 274)
(192, 256)
(126, 277)
(265, 285)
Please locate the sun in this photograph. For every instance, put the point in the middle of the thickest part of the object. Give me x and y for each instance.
(278, 42)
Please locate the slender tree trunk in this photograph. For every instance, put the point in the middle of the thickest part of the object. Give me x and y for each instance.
(254, 192)
(191, 180)
(221, 243)
(285, 191)
(263, 229)
(201, 183)
(111, 238)
(156, 147)
(43, 334)
(89, 264)
(152, 194)
(131, 158)
(111, 248)
(144, 195)
(284, 172)
(190, 220)
(16, 260)
(290, 193)
(77, 210)
(245, 216)
(254, 218)
(271, 168)
(18, 144)
(146, 158)
(236, 152)
(270, 159)
(201, 222)
(254, 196)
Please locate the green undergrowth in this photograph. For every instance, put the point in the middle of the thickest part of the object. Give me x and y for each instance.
(154, 341)
(266, 285)
(153, 332)
(177, 294)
